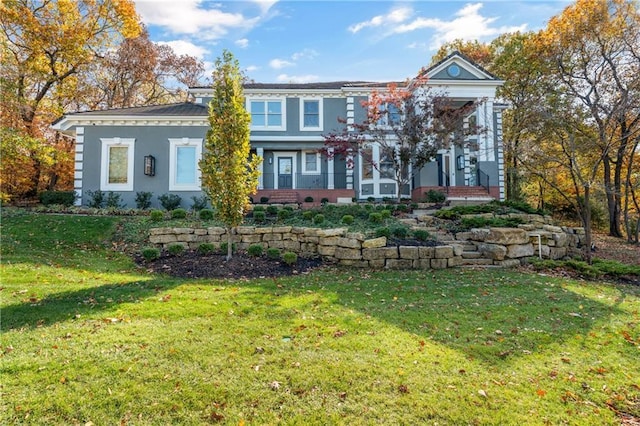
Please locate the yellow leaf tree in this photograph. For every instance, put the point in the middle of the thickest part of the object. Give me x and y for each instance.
(229, 176)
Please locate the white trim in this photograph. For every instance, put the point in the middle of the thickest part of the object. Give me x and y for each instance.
(107, 143)
(127, 120)
(262, 138)
(276, 168)
(283, 109)
(320, 125)
(304, 163)
(463, 64)
(174, 144)
(260, 153)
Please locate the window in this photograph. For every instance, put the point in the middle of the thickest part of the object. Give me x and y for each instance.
(116, 171)
(311, 163)
(367, 162)
(184, 173)
(267, 114)
(390, 115)
(311, 114)
(387, 170)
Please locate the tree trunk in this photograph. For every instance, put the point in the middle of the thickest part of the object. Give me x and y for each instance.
(229, 244)
(586, 221)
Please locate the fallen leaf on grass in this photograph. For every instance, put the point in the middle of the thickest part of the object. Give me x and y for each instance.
(483, 393)
(541, 392)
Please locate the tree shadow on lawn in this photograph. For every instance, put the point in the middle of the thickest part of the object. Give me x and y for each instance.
(486, 316)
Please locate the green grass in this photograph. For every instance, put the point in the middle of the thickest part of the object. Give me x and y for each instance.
(87, 337)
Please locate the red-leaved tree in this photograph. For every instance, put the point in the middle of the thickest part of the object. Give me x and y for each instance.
(409, 123)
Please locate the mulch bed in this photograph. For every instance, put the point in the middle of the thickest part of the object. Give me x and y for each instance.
(192, 264)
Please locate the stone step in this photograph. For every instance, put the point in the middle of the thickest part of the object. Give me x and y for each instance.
(476, 262)
(471, 254)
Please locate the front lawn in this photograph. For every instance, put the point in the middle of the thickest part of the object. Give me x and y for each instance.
(87, 337)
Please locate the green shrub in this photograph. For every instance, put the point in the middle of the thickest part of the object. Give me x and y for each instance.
(284, 214)
(308, 199)
(289, 258)
(329, 208)
(324, 201)
(318, 219)
(413, 206)
(224, 246)
(402, 208)
(273, 253)
(97, 199)
(368, 207)
(170, 201)
(200, 203)
(371, 199)
(288, 208)
(259, 216)
(258, 208)
(264, 200)
(307, 215)
(347, 219)
(114, 201)
(143, 200)
(383, 232)
(386, 214)
(434, 196)
(399, 231)
(447, 214)
(150, 253)
(178, 214)
(272, 210)
(175, 249)
(421, 234)
(206, 248)
(375, 217)
(255, 250)
(156, 215)
(206, 214)
(65, 198)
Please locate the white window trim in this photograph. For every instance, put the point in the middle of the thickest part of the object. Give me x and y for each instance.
(278, 154)
(304, 163)
(320, 126)
(173, 155)
(283, 106)
(104, 164)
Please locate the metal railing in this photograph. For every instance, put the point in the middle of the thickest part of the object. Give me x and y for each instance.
(303, 181)
(483, 180)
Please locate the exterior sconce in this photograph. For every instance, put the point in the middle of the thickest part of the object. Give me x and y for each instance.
(460, 162)
(149, 165)
(271, 160)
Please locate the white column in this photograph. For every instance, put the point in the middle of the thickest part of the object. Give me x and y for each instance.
(349, 167)
(260, 153)
(79, 157)
(490, 134)
(330, 171)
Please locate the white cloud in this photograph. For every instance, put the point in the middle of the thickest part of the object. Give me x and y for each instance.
(189, 17)
(183, 47)
(252, 68)
(265, 5)
(395, 16)
(280, 63)
(467, 25)
(284, 78)
(243, 43)
(304, 54)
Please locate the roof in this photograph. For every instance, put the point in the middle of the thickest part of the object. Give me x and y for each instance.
(464, 57)
(330, 85)
(183, 109)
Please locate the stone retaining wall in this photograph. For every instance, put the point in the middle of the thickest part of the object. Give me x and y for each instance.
(501, 246)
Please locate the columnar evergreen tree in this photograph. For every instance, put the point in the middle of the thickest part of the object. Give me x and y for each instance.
(229, 176)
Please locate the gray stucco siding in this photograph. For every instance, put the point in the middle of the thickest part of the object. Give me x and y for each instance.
(149, 140)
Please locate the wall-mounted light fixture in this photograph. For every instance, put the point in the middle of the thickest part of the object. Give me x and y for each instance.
(271, 160)
(149, 165)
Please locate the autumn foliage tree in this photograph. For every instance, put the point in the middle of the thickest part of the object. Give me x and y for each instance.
(409, 123)
(229, 176)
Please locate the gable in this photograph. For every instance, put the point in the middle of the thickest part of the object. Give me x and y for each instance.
(458, 67)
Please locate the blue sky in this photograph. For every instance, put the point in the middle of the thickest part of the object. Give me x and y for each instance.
(308, 41)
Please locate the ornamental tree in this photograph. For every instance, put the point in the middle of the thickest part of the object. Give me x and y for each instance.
(228, 178)
(409, 123)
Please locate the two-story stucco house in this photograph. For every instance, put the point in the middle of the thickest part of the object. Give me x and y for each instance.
(156, 148)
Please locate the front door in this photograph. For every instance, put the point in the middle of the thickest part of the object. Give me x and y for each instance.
(285, 172)
(444, 169)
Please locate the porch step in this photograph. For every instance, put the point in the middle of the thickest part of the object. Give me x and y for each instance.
(476, 262)
(471, 255)
(283, 196)
(467, 191)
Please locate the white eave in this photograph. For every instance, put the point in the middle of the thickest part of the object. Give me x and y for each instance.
(66, 124)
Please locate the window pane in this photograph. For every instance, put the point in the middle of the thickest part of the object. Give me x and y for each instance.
(257, 107)
(311, 107)
(386, 167)
(394, 115)
(311, 163)
(274, 120)
(118, 164)
(311, 114)
(274, 107)
(186, 165)
(367, 163)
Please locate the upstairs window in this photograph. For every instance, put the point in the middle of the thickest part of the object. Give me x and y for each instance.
(390, 115)
(311, 114)
(267, 114)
